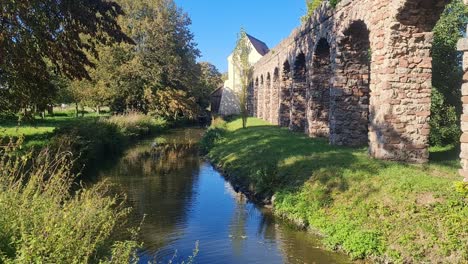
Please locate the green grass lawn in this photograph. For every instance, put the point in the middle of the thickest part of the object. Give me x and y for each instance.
(38, 132)
(369, 208)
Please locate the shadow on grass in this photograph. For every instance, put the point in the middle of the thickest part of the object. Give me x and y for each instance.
(445, 156)
(37, 132)
(274, 159)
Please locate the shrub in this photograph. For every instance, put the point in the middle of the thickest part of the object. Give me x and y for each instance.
(91, 140)
(444, 121)
(135, 125)
(105, 137)
(211, 137)
(42, 221)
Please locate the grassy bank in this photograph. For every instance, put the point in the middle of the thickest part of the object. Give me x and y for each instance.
(43, 221)
(368, 208)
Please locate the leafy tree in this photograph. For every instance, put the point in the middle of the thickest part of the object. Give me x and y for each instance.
(163, 59)
(171, 104)
(41, 37)
(244, 70)
(447, 74)
(210, 80)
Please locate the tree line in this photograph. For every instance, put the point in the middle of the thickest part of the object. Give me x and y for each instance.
(126, 54)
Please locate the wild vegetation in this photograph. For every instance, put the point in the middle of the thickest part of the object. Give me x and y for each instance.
(43, 221)
(366, 207)
(137, 58)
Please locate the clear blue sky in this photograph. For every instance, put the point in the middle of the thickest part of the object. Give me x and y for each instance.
(216, 23)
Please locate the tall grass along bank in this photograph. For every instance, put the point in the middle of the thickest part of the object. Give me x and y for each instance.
(41, 221)
(385, 211)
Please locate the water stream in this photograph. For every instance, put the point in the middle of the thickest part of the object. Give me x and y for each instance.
(185, 200)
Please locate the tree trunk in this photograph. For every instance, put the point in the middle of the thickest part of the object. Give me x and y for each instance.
(50, 109)
(98, 110)
(76, 109)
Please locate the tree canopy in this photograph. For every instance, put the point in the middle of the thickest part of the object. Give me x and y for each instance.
(44, 37)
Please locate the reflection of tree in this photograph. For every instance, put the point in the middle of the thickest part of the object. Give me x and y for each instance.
(158, 179)
(266, 226)
(238, 225)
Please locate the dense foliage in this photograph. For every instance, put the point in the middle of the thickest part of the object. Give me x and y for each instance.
(159, 75)
(447, 74)
(43, 38)
(42, 221)
(130, 55)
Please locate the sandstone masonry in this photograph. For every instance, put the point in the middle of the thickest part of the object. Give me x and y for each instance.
(463, 46)
(358, 74)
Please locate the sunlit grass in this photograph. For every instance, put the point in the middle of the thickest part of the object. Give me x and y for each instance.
(39, 131)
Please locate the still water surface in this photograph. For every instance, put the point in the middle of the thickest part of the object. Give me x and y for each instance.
(186, 200)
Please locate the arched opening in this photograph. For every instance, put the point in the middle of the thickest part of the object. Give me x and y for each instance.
(275, 97)
(255, 100)
(251, 99)
(285, 96)
(261, 92)
(267, 97)
(298, 109)
(350, 102)
(319, 92)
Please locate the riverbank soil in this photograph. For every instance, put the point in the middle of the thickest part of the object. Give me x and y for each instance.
(381, 210)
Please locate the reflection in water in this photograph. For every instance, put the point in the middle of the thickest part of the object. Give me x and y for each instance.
(186, 200)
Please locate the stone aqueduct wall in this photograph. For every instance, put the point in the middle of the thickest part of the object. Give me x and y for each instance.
(358, 74)
(463, 46)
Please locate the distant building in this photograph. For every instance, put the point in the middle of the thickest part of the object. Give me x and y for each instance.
(229, 103)
(215, 99)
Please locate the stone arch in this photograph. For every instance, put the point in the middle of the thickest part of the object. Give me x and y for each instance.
(299, 93)
(318, 98)
(350, 109)
(275, 97)
(267, 102)
(421, 14)
(285, 95)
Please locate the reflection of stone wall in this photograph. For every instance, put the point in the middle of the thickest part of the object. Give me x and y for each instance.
(463, 46)
(379, 82)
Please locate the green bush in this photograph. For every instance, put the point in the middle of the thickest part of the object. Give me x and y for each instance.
(135, 125)
(211, 137)
(90, 140)
(444, 121)
(41, 221)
